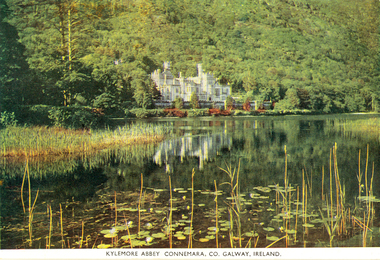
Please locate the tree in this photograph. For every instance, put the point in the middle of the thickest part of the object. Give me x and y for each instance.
(178, 103)
(13, 66)
(229, 103)
(247, 104)
(194, 101)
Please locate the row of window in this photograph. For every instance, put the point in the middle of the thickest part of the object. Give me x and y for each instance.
(189, 90)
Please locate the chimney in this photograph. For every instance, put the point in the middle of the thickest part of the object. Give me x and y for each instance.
(166, 65)
(200, 71)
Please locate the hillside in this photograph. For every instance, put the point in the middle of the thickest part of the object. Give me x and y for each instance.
(318, 54)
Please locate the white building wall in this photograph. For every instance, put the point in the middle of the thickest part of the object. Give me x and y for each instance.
(204, 85)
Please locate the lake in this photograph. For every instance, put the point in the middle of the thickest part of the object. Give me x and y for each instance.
(281, 181)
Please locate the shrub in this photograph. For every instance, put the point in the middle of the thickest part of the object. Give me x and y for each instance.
(69, 117)
(194, 101)
(174, 112)
(229, 103)
(178, 102)
(197, 112)
(58, 116)
(7, 119)
(140, 112)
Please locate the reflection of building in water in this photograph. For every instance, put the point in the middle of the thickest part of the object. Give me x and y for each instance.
(204, 147)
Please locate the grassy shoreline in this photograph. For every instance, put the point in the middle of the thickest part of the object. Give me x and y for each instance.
(40, 141)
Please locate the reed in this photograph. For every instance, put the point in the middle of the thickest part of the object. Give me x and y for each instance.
(31, 207)
(140, 198)
(128, 232)
(61, 222)
(116, 211)
(235, 205)
(170, 215)
(42, 141)
(50, 225)
(190, 244)
(216, 213)
(281, 238)
(81, 239)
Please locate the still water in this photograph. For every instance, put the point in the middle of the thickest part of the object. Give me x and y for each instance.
(289, 181)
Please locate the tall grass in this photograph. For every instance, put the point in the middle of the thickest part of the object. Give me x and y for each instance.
(235, 206)
(31, 206)
(44, 141)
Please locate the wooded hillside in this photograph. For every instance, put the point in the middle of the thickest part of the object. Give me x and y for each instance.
(315, 54)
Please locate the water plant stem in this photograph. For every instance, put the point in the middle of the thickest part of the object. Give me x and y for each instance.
(190, 244)
(115, 210)
(50, 225)
(61, 221)
(141, 188)
(171, 215)
(81, 239)
(216, 213)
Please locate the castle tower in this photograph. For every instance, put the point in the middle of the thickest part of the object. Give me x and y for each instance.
(167, 65)
(200, 71)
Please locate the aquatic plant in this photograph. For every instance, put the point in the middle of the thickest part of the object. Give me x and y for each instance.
(43, 141)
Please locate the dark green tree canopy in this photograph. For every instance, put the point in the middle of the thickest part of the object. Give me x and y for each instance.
(324, 52)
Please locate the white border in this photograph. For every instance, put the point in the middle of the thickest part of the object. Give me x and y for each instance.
(201, 253)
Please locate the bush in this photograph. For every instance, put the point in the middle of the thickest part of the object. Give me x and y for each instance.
(58, 116)
(7, 119)
(69, 117)
(145, 113)
(178, 102)
(197, 112)
(140, 112)
(175, 112)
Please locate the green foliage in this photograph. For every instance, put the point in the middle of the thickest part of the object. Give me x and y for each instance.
(197, 112)
(325, 51)
(145, 113)
(247, 104)
(229, 103)
(194, 101)
(105, 101)
(69, 117)
(178, 103)
(291, 101)
(58, 116)
(8, 119)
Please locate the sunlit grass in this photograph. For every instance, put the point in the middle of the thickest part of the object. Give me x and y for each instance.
(45, 141)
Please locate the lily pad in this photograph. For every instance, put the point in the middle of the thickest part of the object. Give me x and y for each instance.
(138, 243)
(212, 228)
(203, 240)
(272, 238)
(103, 246)
(308, 225)
(120, 228)
(269, 229)
(158, 235)
(210, 237)
(182, 237)
(109, 231)
(110, 235)
(127, 237)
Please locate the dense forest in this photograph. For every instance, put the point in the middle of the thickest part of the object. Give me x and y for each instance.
(321, 55)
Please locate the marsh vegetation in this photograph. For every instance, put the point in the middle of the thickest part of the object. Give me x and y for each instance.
(299, 182)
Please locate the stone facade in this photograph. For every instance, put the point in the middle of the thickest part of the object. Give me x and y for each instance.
(204, 85)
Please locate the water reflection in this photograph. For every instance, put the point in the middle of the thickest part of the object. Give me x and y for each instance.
(204, 147)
